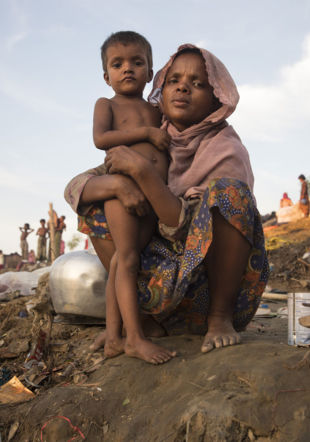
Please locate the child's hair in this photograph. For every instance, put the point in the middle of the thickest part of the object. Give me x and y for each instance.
(42, 220)
(301, 177)
(27, 226)
(125, 38)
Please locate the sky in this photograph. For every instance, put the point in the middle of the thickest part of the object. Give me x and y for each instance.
(51, 76)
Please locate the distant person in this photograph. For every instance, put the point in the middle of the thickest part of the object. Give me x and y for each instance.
(41, 247)
(62, 247)
(31, 257)
(61, 226)
(304, 196)
(26, 230)
(285, 201)
(1, 260)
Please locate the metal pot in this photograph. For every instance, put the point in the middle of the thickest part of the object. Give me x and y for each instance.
(77, 284)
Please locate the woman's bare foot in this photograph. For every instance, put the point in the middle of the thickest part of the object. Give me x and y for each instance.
(144, 349)
(151, 328)
(221, 333)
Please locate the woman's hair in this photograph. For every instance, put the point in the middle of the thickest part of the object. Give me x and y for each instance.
(125, 38)
(189, 50)
(301, 177)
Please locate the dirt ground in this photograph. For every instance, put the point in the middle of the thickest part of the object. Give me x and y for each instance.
(259, 390)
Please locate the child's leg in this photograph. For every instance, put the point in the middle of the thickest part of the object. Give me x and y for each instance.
(130, 234)
(114, 343)
(226, 263)
(105, 250)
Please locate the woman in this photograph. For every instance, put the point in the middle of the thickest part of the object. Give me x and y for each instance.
(206, 270)
(285, 201)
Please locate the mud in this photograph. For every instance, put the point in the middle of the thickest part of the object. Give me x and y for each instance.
(259, 390)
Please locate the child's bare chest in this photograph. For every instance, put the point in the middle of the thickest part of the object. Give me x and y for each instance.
(128, 116)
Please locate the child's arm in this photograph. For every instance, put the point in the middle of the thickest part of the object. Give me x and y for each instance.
(105, 137)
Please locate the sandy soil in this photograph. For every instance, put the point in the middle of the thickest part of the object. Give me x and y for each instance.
(259, 390)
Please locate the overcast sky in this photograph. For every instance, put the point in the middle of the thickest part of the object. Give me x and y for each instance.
(50, 78)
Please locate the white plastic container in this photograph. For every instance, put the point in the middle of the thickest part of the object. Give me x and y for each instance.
(298, 306)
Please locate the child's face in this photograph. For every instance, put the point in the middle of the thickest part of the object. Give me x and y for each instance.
(127, 69)
(187, 97)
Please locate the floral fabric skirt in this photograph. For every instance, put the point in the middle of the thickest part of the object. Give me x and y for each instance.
(172, 283)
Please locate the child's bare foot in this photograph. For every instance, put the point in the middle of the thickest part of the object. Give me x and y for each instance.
(113, 347)
(151, 328)
(221, 333)
(144, 349)
(99, 341)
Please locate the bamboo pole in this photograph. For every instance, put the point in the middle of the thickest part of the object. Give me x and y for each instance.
(52, 232)
(275, 296)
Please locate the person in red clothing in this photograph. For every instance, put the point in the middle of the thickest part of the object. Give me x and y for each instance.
(285, 201)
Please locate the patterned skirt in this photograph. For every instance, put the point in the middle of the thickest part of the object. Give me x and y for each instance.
(172, 283)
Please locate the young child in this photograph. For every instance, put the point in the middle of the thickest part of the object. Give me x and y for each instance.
(41, 247)
(128, 119)
(61, 226)
(26, 230)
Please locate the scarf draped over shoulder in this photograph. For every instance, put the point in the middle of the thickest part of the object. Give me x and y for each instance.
(210, 149)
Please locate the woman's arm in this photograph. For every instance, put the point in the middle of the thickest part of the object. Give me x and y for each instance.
(166, 205)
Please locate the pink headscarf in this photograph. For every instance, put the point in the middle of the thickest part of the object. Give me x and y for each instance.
(210, 149)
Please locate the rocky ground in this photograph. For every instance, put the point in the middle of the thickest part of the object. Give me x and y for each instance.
(259, 390)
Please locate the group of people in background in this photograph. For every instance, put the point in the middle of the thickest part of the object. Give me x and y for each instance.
(289, 211)
(303, 199)
(43, 233)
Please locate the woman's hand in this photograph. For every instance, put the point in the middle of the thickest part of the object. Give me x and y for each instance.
(130, 195)
(122, 159)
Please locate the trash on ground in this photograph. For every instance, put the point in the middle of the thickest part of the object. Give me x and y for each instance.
(14, 391)
(5, 375)
(282, 312)
(305, 321)
(6, 354)
(24, 282)
(37, 350)
(75, 430)
(264, 311)
(13, 430)
(22, 314)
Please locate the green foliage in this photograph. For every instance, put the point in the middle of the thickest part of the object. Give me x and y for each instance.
(74, 242)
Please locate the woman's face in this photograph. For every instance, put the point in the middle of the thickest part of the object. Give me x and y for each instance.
(187, 97)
